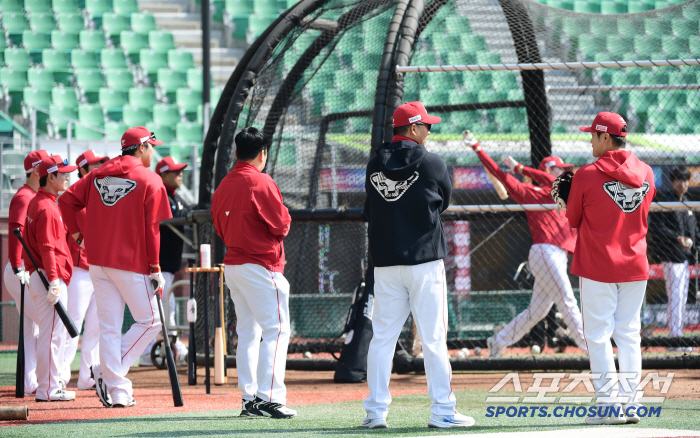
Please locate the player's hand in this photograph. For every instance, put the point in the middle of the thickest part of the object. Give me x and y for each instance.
(686, 242)
(158, 281)
(513, 165)
(54, 292)
(22, 275)
(560, 189)
(470, 140)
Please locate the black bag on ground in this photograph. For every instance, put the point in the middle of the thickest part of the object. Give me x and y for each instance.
(352, 364)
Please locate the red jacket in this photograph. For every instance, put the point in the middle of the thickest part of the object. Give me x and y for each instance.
(124, 204)
(540, 177)
(545, 226)
(46, 238)
(17, 218)
(609, 204)
(250, 217)
(76, 252)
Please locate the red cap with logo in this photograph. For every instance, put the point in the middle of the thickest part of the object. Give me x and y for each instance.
(413, 112)
(168, 164)
(607, 122)
(553, 161)
(34, 159)
(134, 137)
(89, 157)
(54, 163)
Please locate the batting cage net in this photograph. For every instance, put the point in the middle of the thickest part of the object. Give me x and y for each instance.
(323, 82)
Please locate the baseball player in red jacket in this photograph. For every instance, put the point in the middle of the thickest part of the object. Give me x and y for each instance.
(45, 237)
(608, 203)
(15, 275)
(250, 217)
(552, 240)
(81, 294)
(128, 200)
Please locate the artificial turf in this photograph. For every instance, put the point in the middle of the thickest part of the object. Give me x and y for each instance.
(408, 416)
(8, 364)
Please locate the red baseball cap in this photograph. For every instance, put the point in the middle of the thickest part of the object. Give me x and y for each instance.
(89, 157)
(607, 122)
(413, 112)
(168, 164)
(34, 159)
(137, 135)
(54, 163)
(553, 161)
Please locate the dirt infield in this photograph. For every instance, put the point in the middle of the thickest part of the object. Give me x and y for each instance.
(152, 393)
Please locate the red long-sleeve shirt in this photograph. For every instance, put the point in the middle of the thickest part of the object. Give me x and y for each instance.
(76, 252)
(124, 204)
(46, 238)
(545, 226)
(540, 177)
(17, 219)
(250, 217)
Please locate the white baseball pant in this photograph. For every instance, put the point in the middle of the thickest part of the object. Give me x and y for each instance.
(552, 286)
(51, 344)
(677, 279)
(613, 310)
(113, 289)
(31, 328)
(181, 349)
(421, 290)
(82, 307)
(261, 299)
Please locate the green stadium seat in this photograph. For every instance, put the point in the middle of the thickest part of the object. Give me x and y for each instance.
(12, 5)
(96, 8)
(14, 23)
(457, 24)
(65, 97)
(613, 7)
(662, 118)
(113, 25)
(675, 98)
(64, 41)
(37, 6)
(94, 40)
(628, 28)
(126, 7)
(694, 43)
(574, 25)
(625, 76)
(603, 27)
(459, 58)
(42, 22)
(132, 43)
(681, 77)
(511, 119)
(13, 80)
(349, 42)
(161, 40)
(18, 59)
(152, 61)
(91, 115)
(258, 23)
(35, 42)
(136, 115)
(70, 22)
(66, 6)
(642, 100)
(461, 96)
(119, 79)
(684, 28)
(639, 6)
(653, 77)
(115, 130)
(164, 133)
(617, 45)
(188, 100)
(657, 26)
(167, 114)
(504, 80)
(180, 60)
(446, 81)
(37, 98)
(673, 45)
(58, 62)
(587, 6)
(215, 96)
(687, 117)
(660, 4)
(80, 58)
(445, 42)
(113, 101)
(492, 95)
(476, 80)
(561, 4)
(691, 12)
(89, 81)
(170, 81)
(472, 42)
(113, 58)
(488, 58)
(434, 97)
(516, 94)
(266, 7)
(58, 115)
(240, 26)
(143, 23)
(142, 97)
(40, 78)
(591, 44)
(647, 43)
(195, 79)
(187, 132)
(238, 7)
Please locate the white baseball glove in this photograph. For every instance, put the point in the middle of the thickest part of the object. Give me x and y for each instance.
(511, 163)
(22, 275)
(470, 140)
(158, 282)
(54, 292)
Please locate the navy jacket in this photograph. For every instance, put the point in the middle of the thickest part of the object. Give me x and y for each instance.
(667, 226)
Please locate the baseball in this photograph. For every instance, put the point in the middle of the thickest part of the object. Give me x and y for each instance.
(477, 351)
(688, 241)
(463, 353)
(535, 349)
(308, 355)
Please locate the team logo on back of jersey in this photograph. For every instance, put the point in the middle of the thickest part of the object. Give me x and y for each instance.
(389, 189)
(112, 189)
(627, 198)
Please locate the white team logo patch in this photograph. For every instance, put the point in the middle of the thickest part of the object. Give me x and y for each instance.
(389, 189)
(112, 189)
(627, 198)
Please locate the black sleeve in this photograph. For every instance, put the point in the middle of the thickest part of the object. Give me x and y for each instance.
(444, 182)
(660, 226)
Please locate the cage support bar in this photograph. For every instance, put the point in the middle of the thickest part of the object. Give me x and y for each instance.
(583, 89)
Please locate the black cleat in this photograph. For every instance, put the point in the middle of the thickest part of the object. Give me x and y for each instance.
(272, 410)
(246, 409)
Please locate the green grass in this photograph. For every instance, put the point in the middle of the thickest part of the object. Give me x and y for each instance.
(408, 416)
(8, 364)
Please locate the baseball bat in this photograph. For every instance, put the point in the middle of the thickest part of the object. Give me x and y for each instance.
(219, 378)
(192, 353)
(223, 316)
(14, 413)
(172, 371)
(60, 310)
(207, 380)
(19, 377)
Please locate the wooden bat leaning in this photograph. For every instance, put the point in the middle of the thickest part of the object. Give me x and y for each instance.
(219, 359)
(60, 310)
(192, 354)
(19, 376)
(172, 372)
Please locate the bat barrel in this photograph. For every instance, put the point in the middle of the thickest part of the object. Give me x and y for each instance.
(14, 413)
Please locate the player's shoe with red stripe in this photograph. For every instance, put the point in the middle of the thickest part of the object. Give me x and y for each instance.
(374, 423)
(59, 395)
(456, 420)
(100, 386)
(273, 410)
